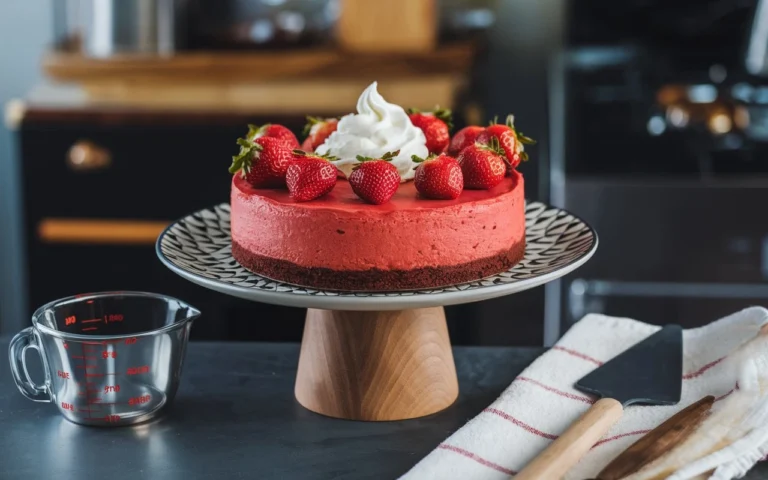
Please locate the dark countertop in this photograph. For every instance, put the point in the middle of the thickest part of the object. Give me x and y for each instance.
(235, 417)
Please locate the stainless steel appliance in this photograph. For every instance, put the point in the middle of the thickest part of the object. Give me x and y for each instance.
(657, 139)
(104, 28)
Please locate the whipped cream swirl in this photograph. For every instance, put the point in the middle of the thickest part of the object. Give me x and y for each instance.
(378, 127)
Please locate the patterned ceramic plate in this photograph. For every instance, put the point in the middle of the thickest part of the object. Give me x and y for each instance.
(198, 248)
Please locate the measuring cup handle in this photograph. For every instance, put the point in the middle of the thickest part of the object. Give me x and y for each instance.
(17, 353)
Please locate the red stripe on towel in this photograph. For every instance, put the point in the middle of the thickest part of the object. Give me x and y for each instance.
(477, 458)
(577, 354)
(520, 424)
(703, 369)
(556, 391)
(621, 435)
(725, 395)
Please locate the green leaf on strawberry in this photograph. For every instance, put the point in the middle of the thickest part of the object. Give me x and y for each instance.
(243, 161)
(302, 153)
(418, 159)
(311, 121)
(493, 146)
(444, 114)
(387, 157)
(253, 132)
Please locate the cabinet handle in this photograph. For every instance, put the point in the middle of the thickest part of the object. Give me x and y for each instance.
(100, 231)
(86, 155)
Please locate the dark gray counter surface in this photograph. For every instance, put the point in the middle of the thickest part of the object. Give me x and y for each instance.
(235, 417)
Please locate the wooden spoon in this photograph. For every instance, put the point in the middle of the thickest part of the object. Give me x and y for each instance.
(658, 441)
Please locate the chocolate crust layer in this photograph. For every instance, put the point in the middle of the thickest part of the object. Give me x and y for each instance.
(377, 280)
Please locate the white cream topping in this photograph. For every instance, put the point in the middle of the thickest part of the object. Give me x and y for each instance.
(378, 127)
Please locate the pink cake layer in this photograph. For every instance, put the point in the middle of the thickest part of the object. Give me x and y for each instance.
(341, 232)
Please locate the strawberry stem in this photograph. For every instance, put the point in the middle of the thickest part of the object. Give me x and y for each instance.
(418, 159)
(387, 157)
(525, 140)
(255, 130)
(492, 146)
(445, 115)
(243, 161)
(302, 153)
(311, 122)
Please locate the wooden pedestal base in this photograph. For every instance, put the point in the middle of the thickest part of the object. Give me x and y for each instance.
(376, 365)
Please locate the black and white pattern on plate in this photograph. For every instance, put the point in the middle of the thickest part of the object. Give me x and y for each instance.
(200, 245)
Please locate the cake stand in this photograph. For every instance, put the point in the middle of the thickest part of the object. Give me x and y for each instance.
(367, 355)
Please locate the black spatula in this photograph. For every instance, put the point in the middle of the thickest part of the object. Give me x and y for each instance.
(649, 373)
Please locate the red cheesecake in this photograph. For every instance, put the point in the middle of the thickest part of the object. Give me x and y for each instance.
(339, 242)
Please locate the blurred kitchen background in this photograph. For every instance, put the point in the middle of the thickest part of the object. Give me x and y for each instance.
(651, 117)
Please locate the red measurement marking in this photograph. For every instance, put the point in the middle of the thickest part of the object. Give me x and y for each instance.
(66, 345)
(82, 351)
(91, 320)
(68, 406)
(111, 388)
(113, 317)
(139, 400)
(90, 328)
(94, 400)
(112, 418)
(63, 374)
(89, 301)
(70, 320)
(106, 354)
(137, 370)
(130, 341)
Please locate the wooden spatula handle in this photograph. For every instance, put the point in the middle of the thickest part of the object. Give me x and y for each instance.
(567, 450)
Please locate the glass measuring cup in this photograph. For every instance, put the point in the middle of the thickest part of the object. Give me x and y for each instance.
(111, 358)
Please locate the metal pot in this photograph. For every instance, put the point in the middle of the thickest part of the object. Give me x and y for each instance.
(148, 27)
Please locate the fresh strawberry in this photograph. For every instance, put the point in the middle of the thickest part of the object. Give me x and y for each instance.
(483, 165)
(438, 177)
(317, 131)
(375, 180)
(310, 176)
(435, 125)
(272, 130)
(463, 138)
(511, 141)
(263, 162)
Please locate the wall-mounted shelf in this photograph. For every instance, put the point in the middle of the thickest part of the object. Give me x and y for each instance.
(302, 81)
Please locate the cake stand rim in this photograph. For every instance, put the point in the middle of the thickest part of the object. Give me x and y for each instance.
(377, 303)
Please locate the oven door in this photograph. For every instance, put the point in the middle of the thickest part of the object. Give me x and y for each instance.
(671, 251)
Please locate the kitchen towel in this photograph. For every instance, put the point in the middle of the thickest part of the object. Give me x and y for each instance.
(541, 402)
